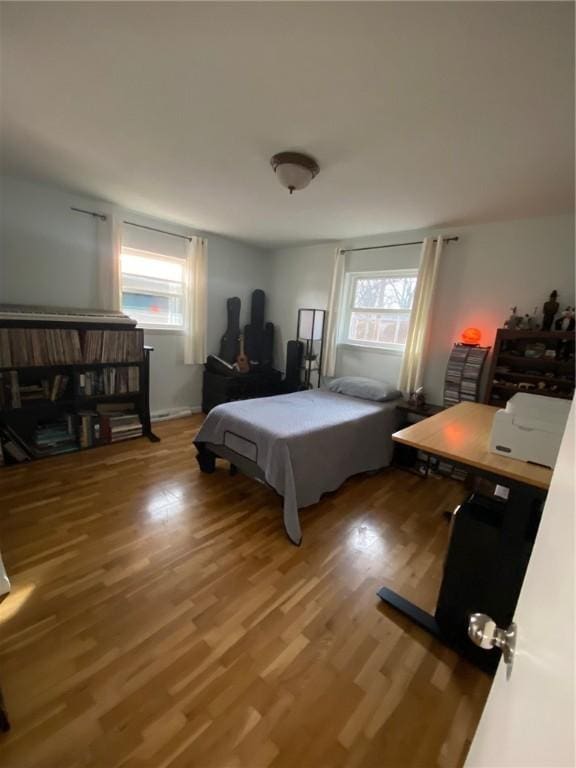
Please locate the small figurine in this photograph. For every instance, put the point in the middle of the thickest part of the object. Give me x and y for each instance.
(566, 320)
(549, 309)
(420, 398)
(417, 398)
(565, 323)
(512, 321)
(525, 323)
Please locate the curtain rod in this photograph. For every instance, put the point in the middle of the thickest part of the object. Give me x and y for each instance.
(103, 217)
(162, 231)
(453, 239)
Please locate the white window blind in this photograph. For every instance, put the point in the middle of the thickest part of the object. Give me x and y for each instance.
(153, 289)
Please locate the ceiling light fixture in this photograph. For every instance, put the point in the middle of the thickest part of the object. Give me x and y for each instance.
(294, 170)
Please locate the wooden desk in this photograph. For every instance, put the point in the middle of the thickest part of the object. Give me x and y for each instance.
(491, 540)
(462, 435)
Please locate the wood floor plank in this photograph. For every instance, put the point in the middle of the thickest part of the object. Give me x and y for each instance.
(159, 618)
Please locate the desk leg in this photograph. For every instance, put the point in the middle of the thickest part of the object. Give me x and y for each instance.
(487, 663)
(4, 722)
(415, 614)
(488, 553)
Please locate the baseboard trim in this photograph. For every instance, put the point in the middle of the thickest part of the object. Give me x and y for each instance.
(175, 413)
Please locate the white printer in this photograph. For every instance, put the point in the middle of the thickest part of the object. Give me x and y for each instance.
(530, 428)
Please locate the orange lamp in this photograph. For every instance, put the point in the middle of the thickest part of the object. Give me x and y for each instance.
(471, 337)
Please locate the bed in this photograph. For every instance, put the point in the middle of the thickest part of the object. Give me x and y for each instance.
(302, 444)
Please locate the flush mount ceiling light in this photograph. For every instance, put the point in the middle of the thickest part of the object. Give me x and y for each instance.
(294, 170)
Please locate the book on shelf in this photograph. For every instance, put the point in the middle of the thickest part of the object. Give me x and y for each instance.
(123, 427)
(109, 381)
(9, 390)
(59, 385)
(90, 429)
(55, 437)
(13, 393)
(14, 446)
(118, 422)
(13, 450)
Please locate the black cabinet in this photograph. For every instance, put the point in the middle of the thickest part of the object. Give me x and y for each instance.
(218, 388)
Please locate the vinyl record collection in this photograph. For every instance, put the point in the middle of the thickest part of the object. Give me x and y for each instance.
(114, 346)
(21, 347)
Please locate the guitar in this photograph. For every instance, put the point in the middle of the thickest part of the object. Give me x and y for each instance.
(229, 342)
(242, 362)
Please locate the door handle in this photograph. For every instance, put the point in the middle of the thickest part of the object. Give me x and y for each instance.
(484, 633)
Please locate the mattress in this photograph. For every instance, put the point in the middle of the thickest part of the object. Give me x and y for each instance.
(306, 443)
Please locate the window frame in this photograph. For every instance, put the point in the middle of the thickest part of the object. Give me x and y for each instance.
(156, 327)
(349, 293)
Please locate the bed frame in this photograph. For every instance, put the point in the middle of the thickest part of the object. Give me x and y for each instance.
(209, 452)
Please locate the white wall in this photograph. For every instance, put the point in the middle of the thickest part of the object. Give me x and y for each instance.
(490, 269)
(49, 257)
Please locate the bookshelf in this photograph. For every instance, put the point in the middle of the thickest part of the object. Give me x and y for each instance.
(540, 362)
(66, 387)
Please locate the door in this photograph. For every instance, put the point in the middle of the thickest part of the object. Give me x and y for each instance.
(529, 718)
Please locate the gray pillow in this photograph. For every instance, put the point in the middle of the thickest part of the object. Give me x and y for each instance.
(366, 389)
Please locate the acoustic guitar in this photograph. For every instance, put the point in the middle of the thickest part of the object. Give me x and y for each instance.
(242, 362)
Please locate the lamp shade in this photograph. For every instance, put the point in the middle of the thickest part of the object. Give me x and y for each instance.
(310, 324)
(318, 330)
(293, 176)
(306, 323)
(471, 336)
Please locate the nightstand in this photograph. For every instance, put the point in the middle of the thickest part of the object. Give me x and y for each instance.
(406, 457)
(413, 413)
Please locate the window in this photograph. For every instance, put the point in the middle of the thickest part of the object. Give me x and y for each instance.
(378, 310)
(153, 289)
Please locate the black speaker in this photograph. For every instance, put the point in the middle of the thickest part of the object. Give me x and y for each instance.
(294, 352)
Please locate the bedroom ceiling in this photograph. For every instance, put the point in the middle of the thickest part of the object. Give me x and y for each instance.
(419, 114)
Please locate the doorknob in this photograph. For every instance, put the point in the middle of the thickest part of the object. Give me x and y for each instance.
(483, 632)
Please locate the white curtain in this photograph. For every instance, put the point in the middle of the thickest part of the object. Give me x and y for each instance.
(334, 310)
(196, 301)
(109, 248)
(412, 371)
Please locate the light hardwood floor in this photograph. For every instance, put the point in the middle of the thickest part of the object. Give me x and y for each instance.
(160, 618)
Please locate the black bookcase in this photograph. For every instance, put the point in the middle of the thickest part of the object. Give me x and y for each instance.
(55, 396)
